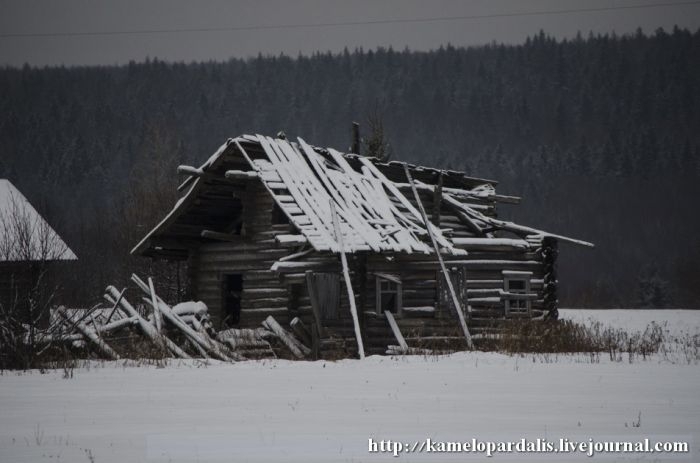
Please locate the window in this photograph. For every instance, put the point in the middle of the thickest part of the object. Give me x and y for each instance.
(516, 288)
(388, 293)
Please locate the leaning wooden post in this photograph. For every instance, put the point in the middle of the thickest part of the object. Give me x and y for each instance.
(157, 317)
(348, 283)
(116, 304)
(448, 280)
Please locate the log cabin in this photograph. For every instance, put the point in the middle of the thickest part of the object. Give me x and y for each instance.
(367, 254)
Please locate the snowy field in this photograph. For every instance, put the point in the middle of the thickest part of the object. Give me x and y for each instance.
(326, 411)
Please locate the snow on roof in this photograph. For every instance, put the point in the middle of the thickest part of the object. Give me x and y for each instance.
(368, 220)
(24, 234)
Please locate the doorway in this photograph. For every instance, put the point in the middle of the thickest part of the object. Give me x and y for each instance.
(232, 293)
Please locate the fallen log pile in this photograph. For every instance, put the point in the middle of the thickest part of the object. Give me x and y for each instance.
(151, 328)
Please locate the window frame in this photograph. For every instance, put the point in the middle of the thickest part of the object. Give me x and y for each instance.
(519, 276)
(379, 292)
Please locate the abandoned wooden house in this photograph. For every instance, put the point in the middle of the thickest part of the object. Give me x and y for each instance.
(31, 252)
(357, 249)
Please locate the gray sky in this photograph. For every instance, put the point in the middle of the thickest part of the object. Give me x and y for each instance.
(79, 16)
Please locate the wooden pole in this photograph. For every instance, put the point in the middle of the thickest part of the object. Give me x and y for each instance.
(437, 200)
(116, 304)
(348, 282)
(397, 332)
(448, 279)
(355, 138)
(157, 317)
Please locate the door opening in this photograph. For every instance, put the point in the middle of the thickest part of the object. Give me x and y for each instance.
(233, 291)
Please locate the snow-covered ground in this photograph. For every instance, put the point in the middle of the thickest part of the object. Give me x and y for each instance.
(676, 322)
(326, 411)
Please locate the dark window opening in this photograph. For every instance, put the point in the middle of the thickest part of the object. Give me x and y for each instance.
(235, 227)
(278, 216)
(233, 291)
(388, 295)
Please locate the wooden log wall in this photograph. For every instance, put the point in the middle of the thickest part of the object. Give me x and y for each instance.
(252, 256)
(421, 286)
(422, 283)
(285, 295)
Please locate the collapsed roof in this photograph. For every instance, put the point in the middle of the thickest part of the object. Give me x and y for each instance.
(368, 200)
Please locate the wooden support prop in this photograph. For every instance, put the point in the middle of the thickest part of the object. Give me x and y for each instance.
(91, 335)
(448, 279)
(348, 282)
(157, 317)
(146, 327)
(300, 330)
(241, 174)
(397, 332)
(298, 349)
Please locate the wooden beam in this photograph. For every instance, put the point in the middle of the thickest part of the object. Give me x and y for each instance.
(241, 174)
(348, 282)
(291, 240)
(448, 279)
(157, 317)
(491, 244)
(189, 170)
(397, 332)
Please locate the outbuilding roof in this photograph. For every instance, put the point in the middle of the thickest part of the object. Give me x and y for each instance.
(24, 234)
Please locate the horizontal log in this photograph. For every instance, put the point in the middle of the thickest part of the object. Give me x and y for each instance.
(492, 244)
(291, 240)
(241, 175)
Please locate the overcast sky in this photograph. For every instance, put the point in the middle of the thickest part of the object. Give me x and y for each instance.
(305, 26)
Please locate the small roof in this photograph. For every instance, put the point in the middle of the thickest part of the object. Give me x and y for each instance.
(24, 234)
(322, 190)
